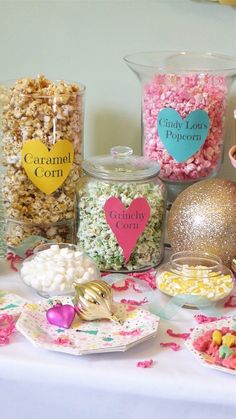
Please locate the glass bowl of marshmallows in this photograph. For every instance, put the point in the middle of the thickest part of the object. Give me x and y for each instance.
(53, 268)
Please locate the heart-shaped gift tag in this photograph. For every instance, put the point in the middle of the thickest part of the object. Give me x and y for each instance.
(182, 138)
(127, 223)
(47, 169)
(61, 315)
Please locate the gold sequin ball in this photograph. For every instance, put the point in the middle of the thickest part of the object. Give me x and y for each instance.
(203, 218)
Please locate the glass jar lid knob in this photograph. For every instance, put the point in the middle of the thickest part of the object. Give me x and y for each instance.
(120, 152)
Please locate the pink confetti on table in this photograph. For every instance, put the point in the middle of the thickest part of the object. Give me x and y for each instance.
(7, 327)
(124, 287)
(4, 340)
(136, 287)
(230, 302)
(201, 318)
(134, 302)
(13, 259)
(149, 277)
(145, 364)
(128, 283)
(172, 345)
(135, 332)
(63, 341)
(184, 336)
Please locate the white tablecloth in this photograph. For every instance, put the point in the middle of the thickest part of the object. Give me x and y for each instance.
(39, 384)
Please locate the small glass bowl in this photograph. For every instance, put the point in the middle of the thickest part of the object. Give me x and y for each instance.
(55, 277)
(199, 276)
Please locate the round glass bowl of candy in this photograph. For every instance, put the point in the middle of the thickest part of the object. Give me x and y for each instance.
(53, 268)
(121, 207)
(184, 99)
(198, 278)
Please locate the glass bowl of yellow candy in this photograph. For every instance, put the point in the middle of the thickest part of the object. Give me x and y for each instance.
(195, 274)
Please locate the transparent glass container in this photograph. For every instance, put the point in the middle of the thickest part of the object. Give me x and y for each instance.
(184, 99)
(122, 205)
(51, 271)
(195, 274)
(41, 137)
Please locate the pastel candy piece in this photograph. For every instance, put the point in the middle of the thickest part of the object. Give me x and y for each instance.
(225, 351)
(61, 315)
(217, 337)
(229, 340)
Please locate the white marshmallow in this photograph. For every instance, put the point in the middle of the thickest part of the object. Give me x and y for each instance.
(56, 269)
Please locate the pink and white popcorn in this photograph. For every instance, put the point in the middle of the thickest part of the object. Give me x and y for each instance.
(185, 94)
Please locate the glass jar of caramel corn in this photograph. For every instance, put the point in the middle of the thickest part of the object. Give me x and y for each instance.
(41, 133)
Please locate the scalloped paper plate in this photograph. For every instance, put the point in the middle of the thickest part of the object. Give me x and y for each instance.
(11, 303)
(198, 331)
(87, 337)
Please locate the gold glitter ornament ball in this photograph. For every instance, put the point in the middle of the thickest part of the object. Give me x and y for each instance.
(203, 218)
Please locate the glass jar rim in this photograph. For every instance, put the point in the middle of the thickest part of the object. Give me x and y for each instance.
(179, 260)
(11, 82)
(134, 60)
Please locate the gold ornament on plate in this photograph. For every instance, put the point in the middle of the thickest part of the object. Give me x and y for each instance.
(203, 218)
(94, 300)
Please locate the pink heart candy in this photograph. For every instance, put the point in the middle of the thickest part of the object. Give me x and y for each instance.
(127, 223)
(61, 315)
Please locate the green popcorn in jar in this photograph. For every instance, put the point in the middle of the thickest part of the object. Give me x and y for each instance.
(97, 238)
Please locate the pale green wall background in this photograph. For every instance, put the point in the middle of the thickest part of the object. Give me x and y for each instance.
(86, 40)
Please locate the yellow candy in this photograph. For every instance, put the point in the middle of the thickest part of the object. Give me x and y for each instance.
(196, 281)
(228, 340)
(217, 337)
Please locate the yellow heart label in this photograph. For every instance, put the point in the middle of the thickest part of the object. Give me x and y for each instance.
(47, 169)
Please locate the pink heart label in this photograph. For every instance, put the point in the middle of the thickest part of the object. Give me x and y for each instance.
(61, 315)
(127, 223)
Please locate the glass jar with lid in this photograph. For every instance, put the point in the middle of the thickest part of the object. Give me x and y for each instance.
(121, 211)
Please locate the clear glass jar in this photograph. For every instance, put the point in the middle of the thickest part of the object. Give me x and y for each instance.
(41, 133)
(121, 205)
(53, 269)
(184, 98)
(195, 274)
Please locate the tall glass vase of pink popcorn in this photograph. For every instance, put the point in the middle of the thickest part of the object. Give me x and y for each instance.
(184, 101)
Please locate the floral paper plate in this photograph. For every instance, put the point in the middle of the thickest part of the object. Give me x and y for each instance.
(11, 304)
(85, 337)
(200, 330)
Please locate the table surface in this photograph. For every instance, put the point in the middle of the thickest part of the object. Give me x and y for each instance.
(36, 383)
